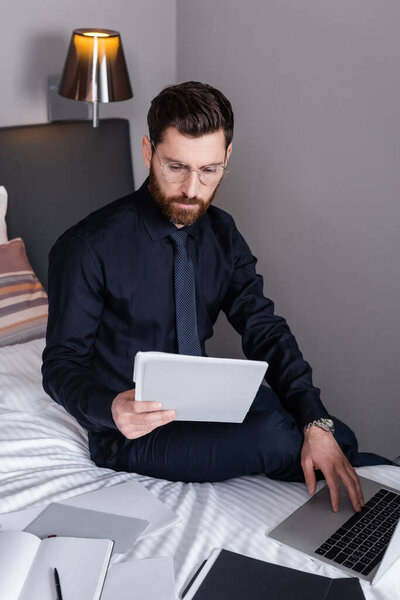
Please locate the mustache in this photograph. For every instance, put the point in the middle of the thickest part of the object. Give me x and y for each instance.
(190, 201)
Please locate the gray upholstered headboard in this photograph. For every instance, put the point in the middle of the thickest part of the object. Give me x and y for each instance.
(56, 173)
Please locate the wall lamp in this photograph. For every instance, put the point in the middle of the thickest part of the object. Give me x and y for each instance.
(95, 69)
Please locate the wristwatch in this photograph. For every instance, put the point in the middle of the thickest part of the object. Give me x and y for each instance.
(326, 424)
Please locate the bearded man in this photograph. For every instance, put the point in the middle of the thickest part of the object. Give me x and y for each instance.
(114, 291)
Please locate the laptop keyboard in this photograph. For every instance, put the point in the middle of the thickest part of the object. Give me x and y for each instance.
(360, 542)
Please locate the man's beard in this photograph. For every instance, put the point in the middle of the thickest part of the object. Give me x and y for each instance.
(176, 214)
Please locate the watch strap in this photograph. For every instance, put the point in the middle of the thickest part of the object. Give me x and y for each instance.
(326, 424)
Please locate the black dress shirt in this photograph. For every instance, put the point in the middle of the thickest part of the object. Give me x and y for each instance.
(111, 295)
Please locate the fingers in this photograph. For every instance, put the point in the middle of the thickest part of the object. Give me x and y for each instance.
(359, 489)
(137, 425)
(140, 407)
(321, 451)
(351, 481)
(349, 478)
(309, 476)
(155, 419)
(135, 419)
(334, 491)
(150, 416)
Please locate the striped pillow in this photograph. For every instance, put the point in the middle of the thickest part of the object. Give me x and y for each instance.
(3, 211)
(23, 301)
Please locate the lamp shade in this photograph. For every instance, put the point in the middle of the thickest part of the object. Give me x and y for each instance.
(95, 68)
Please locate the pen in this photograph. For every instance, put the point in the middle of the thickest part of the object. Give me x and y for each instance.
(58, 586)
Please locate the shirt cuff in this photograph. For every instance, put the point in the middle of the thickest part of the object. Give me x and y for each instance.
(98, 399)
(308, 408)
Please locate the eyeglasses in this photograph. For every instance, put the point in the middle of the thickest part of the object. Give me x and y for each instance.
(176, 172)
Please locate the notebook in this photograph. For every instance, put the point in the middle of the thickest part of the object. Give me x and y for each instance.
(199, 388)
(230, 576)
(364, 544)
(144, 579)
(129, 499)
(71, 521)
(27, 566)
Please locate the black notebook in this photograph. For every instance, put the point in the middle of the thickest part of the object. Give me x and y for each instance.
(227, 575)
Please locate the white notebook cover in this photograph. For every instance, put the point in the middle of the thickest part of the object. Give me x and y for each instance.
(144, 579)
(199, 388)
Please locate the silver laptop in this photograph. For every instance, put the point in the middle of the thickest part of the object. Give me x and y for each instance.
(363, 544)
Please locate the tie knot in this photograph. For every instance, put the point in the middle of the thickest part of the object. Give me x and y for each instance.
(179, 237)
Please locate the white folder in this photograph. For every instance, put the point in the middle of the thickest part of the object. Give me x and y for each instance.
(199, 388)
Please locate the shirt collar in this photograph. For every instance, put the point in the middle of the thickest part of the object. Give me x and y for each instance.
(156, 224)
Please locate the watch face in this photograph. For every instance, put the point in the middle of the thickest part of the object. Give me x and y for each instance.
(327, 423)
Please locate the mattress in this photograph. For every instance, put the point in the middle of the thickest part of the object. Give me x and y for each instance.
(44, 457)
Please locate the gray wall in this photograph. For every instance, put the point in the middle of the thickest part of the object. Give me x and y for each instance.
(315, 168)
(34, 42)
(314, 182)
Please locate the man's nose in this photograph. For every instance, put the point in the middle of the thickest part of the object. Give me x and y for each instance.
(190, 186)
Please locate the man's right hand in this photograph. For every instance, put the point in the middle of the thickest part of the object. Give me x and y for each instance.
(135, 419)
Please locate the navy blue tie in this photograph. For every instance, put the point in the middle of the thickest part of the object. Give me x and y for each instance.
(185, 297)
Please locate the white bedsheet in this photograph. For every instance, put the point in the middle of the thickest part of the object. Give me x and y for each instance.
(44, 457)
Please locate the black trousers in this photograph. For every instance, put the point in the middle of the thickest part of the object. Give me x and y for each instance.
(268, 441)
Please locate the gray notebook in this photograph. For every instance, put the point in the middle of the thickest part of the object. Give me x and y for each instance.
(70, 521)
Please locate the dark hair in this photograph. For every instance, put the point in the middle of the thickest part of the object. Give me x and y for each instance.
(192, 107)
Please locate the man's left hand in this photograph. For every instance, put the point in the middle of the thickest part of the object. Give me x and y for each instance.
(321, 451)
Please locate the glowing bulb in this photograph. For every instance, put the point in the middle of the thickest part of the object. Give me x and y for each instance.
(95, 34)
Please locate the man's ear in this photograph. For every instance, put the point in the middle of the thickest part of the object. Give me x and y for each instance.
(228, 152)
(146, 151)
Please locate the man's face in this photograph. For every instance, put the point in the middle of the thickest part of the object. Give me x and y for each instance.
(183, 203)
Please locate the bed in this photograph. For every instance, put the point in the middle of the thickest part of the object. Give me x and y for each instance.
(43, 451)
